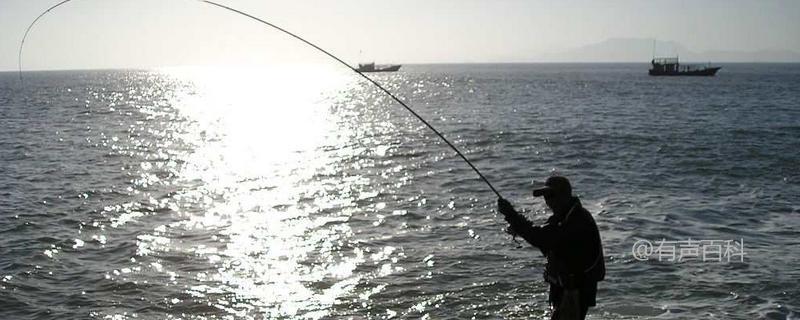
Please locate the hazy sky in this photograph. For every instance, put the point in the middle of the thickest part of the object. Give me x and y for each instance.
(147, 33)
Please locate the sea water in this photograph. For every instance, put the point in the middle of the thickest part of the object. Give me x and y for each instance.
(291, 192)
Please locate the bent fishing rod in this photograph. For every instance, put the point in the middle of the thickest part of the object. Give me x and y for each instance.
(264, 22)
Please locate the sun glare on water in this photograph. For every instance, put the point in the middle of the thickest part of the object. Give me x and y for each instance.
(255, 171)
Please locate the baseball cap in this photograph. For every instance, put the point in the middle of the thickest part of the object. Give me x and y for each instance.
(553, 186)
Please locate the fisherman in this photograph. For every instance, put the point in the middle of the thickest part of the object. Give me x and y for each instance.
(570, 241)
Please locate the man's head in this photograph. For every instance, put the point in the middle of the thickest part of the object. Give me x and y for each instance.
(557, 193)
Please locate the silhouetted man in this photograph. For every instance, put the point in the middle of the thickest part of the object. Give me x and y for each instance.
(570, 241)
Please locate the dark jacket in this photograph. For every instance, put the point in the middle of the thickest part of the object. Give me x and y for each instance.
(571, 243)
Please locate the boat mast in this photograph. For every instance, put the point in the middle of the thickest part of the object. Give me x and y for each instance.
(654, 48)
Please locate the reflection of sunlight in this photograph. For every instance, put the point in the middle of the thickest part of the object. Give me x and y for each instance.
(264, 114)
(255, 166)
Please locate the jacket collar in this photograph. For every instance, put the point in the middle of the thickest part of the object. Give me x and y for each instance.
(575, 205)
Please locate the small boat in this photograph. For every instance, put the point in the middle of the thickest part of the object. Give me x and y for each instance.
(671, 67)
(371, 67)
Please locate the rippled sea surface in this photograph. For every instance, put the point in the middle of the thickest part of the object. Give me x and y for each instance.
(302, 192)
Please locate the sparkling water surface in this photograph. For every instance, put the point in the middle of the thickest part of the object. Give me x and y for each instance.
(303, 192)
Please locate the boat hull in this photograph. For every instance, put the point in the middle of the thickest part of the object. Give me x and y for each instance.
(701, 72)
(390, 68)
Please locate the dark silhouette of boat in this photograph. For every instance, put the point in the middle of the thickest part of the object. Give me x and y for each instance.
(371, 67)
(671, 67)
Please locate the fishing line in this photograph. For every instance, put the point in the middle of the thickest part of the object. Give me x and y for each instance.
(22, 43)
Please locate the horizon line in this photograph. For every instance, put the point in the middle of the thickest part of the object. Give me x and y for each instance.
(151, 68)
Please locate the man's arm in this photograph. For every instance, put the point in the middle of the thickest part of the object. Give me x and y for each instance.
(543, 237)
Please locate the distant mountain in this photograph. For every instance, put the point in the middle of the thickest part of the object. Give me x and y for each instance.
(641, 50)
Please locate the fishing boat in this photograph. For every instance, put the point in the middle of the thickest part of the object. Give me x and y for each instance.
(371, 67)
(671, 67)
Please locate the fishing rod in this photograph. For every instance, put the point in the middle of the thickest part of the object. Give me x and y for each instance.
(242, 13)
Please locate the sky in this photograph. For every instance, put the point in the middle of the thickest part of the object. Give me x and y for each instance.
(87, 34)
